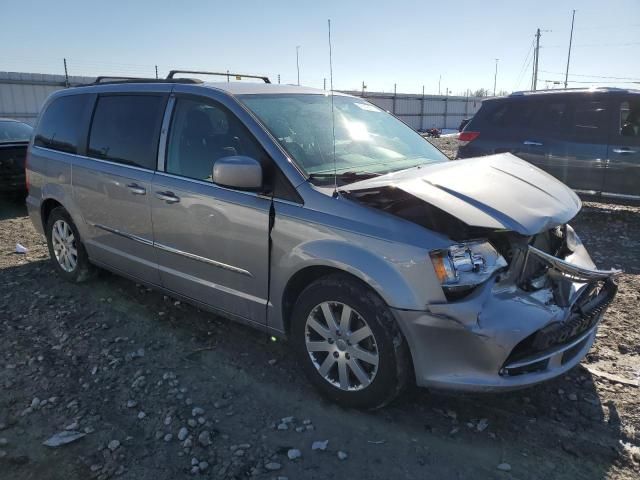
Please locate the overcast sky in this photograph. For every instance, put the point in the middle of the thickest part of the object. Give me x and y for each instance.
(411, 43)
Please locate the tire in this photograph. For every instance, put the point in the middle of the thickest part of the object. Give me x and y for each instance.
(384, 344)
(76, 268)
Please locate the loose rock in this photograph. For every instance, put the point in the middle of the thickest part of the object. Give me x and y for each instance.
(319, 445)
(294, 454)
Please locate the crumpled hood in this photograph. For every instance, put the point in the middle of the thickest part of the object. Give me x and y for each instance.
(498, 192)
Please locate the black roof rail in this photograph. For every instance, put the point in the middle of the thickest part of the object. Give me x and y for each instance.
(572, 90)
(108, 80)
(238, 76)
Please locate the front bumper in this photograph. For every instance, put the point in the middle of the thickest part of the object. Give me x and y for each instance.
(502, 338)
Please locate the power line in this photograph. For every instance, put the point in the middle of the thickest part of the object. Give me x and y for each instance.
(560, 82)
(594, 45)
(592, 76)
(525, 65)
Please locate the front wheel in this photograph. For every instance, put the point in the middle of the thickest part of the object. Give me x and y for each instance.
(349, 343)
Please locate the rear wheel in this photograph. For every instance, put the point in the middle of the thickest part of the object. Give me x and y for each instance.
(349, 344)
(65, 248)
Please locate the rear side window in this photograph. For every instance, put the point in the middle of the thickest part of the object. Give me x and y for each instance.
(517, 114)
(61, 123)
(589, 120)
(550, 116)
(126, 129)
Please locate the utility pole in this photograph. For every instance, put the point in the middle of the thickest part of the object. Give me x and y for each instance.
(298, 62)
(422, 109)
(566, 75)
(393, 110)
(66, 74)
(535, 64)
(495, 78)
(156, 72)
(364, 87)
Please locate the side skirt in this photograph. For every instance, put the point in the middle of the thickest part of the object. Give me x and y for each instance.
(191, 301)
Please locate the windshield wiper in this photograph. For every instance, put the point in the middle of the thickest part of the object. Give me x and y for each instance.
(350, 175)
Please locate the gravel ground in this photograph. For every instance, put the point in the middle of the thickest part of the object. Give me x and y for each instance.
(150, 388)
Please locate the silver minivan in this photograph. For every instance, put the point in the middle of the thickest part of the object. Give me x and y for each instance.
(320, 218)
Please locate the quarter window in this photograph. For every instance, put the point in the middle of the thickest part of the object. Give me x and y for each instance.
(126, 128)
(61, 123)
(203, 132)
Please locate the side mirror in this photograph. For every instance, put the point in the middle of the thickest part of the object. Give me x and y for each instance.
(238, 171)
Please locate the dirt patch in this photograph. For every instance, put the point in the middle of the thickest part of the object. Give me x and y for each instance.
(161, 390)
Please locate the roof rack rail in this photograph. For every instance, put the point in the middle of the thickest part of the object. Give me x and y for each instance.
(238, 76)
(106, 79)
(569, 90)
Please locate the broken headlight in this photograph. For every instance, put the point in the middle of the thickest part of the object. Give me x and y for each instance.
(466, 264)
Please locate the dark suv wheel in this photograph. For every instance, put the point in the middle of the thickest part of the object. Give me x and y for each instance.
(65, 248)
(349, 343)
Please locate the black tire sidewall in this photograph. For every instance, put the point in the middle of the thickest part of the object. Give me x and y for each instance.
(392, 372)
(81, 271)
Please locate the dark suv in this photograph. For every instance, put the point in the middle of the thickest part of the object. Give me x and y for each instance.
(587, 138)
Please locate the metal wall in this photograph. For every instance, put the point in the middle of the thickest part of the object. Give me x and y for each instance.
(22, 94)
(423, 112)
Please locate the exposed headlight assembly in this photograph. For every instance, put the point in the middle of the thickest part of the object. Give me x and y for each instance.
(466, 264)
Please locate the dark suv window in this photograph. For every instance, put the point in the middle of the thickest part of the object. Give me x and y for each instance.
(61, 123)
(534, 114)
(589, 120)
(126, 129)
(550, 116)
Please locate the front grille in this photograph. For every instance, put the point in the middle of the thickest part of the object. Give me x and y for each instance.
(583, 315)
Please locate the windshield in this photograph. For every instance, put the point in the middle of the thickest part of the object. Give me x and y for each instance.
(368, 141)
(14, 132)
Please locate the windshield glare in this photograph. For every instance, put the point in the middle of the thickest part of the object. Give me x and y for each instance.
(14, 132)
(368, 140)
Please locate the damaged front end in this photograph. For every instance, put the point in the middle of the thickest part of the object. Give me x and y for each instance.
(557, 262)
(534, 318)
(522, 305)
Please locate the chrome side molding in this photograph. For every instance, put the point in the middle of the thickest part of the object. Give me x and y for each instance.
(175, 251)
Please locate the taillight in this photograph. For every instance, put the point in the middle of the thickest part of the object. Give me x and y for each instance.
(465, 136)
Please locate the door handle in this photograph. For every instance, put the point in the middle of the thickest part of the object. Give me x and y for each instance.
(168, 197)
(624, 151)
(532, 143)
(136, 189)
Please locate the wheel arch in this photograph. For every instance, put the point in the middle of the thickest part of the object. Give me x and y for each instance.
(324, 258)
(46, 208)
(301, 280)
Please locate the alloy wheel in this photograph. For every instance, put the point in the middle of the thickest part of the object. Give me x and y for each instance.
(341, 346)
(64, 246)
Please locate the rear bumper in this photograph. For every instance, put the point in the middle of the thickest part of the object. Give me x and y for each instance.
(502, 339)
